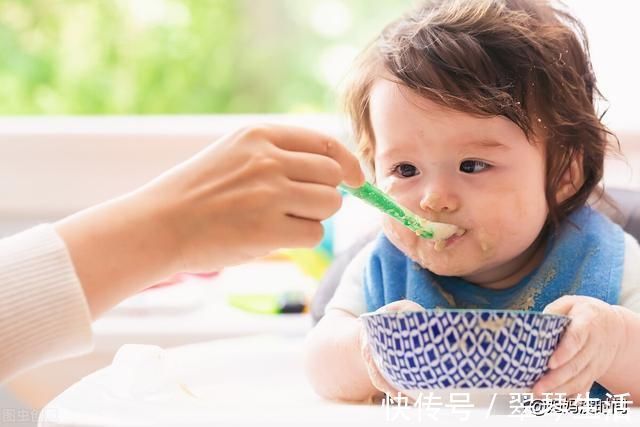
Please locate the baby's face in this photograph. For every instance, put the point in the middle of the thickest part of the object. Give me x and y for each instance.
(480, 174)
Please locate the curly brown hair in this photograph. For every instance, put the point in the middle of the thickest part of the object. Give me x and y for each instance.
(526, 60)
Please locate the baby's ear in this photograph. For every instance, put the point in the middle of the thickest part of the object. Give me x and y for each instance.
(572, 179)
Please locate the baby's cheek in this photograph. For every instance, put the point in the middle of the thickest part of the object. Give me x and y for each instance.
(403, 238)
(487, 241)
(416, 248)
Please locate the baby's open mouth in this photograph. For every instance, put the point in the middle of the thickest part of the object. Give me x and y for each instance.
(441, 233)
(444, 239)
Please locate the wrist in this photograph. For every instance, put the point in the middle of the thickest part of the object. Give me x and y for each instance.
(155, 221)
(117, 249)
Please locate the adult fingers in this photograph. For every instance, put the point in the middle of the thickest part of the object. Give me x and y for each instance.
(312, 168)
(312, 201)
(304, 140)
(294, 232)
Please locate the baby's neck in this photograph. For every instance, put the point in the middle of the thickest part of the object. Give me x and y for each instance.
(513, 272)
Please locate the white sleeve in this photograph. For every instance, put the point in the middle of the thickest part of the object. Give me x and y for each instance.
(43, 312)
(630, 288)
(349, 295)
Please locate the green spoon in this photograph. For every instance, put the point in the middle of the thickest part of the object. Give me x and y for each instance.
(380, 200)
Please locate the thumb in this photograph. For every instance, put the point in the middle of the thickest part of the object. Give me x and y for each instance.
(562, 305)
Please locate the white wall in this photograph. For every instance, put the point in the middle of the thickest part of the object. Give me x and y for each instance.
(613, 28)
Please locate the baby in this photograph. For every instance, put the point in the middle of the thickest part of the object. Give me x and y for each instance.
(481, 114)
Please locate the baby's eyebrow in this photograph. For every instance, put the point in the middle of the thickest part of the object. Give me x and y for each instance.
(486, 143)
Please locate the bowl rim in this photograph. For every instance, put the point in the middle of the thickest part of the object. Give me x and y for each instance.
(465, 310)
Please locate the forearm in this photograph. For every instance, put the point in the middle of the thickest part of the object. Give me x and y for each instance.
(117, 248)
(333, 360)
(624, 376)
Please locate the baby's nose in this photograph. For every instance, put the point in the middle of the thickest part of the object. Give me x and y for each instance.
(439, 202)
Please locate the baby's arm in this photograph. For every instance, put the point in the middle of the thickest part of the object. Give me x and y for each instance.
(333, 360)
(624, 376)
(338, 359)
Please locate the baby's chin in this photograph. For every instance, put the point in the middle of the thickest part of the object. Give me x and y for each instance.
(445, 268)
(442, 264)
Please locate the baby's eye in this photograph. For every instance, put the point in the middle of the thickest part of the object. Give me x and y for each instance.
(405, 170)
(473, 166)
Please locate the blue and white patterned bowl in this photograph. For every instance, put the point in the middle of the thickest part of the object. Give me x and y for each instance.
(463, 349)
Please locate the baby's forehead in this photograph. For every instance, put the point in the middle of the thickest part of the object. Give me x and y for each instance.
(394, 104)
(387, 92)
(399, 111)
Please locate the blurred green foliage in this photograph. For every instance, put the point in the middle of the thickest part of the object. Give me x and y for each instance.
(180, 56)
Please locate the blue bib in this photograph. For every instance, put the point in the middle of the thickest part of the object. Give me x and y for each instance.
(584, 257)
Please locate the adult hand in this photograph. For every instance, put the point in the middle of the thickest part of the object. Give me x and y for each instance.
(253, 191)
